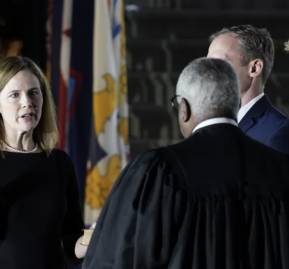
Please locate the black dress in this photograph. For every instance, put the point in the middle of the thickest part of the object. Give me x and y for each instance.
(40, 217)
(218, 200)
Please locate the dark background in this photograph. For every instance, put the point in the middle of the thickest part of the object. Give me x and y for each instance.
(25, 20)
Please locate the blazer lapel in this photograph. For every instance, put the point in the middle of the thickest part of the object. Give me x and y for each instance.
(256, 111)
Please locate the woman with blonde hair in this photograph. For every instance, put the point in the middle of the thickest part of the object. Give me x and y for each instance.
(40, 216)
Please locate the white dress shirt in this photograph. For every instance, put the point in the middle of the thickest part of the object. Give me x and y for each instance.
(215, 121)
(244, 109)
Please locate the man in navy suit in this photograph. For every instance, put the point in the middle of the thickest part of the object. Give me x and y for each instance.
(250, 51)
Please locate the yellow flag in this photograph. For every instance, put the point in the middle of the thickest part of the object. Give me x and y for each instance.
(109, 137)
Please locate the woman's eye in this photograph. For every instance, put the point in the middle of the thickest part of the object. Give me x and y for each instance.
(34, 93)
(14, 95)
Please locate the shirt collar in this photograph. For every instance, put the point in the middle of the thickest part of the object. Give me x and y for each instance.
(244, 109)
(215, 121)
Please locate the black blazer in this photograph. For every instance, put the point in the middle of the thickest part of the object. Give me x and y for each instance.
(267, 125)
(216, 200)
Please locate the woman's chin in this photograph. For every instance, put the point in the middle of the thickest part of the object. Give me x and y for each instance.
(26, 129)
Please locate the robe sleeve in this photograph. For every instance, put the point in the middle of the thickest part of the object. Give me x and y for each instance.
(138, 227)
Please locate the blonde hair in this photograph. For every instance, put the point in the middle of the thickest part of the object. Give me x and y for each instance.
(45, 134)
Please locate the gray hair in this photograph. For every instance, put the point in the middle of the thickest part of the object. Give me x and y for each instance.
(211, 88)
(255, 43)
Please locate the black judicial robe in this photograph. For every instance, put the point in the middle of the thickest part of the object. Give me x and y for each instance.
(216, 200)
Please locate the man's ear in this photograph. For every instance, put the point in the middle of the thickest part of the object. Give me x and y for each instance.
(184, 110)
(256, 67)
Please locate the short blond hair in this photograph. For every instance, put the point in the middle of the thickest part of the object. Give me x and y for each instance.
(45, 134)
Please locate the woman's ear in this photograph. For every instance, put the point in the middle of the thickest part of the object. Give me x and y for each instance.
(256, 67)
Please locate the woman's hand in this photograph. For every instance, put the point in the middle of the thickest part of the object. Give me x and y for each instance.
(82, 243)
(80, 249)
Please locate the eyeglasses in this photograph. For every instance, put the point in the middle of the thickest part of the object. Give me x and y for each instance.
(175, 103)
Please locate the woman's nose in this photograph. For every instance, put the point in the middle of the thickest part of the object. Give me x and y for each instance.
(25, 100)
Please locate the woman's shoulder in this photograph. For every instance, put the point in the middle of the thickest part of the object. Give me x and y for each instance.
(60, 155)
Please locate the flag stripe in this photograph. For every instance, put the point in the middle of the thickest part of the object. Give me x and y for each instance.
(65, 50)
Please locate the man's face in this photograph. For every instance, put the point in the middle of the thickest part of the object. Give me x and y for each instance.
(227, 47)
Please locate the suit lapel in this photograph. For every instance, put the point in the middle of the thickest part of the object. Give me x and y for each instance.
(252, 116)
(246, 123)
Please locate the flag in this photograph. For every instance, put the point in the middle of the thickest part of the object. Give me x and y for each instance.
(108, 149)
(69, 44)
(49, 32)
(65, 48)
(71, 78)
(80, 88)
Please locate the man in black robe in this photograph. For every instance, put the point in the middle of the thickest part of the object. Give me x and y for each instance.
(216, 200)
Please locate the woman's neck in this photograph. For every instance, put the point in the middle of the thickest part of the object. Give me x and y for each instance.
(20, 142)
(8, 147)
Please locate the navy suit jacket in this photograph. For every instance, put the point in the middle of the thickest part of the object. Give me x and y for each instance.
(267, 125)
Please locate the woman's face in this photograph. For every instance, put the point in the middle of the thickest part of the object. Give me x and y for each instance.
(21, 103)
